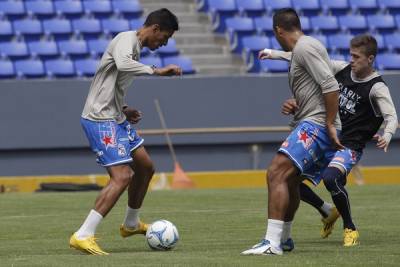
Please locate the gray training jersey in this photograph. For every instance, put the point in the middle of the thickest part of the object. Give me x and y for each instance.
(310, 76)
(113, 77)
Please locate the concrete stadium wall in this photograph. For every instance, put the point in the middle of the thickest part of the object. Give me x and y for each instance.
(40, 131)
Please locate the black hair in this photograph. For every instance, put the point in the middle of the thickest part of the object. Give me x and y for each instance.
(164, 18)
(287, 19)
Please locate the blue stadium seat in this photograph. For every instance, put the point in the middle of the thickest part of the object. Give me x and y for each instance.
(29, 68)
(90, 28)
(307, 8)
(73, 48)
(338, 57)
(336, 7)
(202, 5)
(339, 42)
(128, 8)
(6, 69)
(136, 23)
(115, 25)
(86, 67)
(305, 24)
(43, 49)
(322, 38)
(388, 61)
(168, 50)
(69, 8)
(272, 5)
(237, 28)
(274, 65)
(184, 62)
(40, 8)
(59, 68)
(353, 23)
(152, 61)
(98, 46)
(59, 28)
(383, 23)
(100, 8)
(30, 28)
(275, 44)
(325, 24)
(12, 9)
(220, 10)
(253, 8)
(264, 25)
(145, 52)
(364, 6)
(392, 41)
(6, 30)
(393, 6)
(251, 47)
(380, 41)
(14, 50)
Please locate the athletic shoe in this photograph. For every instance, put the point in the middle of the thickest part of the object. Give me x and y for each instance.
(329, 222)
(263, 248)
(126, 231)
(288, 245)
(350, 238)
(87, 245)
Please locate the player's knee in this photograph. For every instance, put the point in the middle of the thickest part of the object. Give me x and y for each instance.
(333, 179)
(123, 178)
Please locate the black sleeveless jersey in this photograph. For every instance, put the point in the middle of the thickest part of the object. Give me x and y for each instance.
(359, 120)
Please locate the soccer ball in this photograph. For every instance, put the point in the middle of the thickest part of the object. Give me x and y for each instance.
(162, 235)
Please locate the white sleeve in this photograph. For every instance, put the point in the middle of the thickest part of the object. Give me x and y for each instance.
(338, 65)
(382, 100)
(278, 54)
(122, 55)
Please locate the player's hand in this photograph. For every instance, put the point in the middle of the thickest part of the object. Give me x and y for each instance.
(168, 70)
(334, 138)
(289, 106)
(381, 142)
(132, 115)
(265, 54)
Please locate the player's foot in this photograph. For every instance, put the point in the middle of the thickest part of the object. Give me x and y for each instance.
(263, 248)
(288, 245)
(139, 230)
(87, 245)
(329, 222)
(350, 238)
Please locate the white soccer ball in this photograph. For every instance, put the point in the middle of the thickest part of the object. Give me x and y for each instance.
(162, 235)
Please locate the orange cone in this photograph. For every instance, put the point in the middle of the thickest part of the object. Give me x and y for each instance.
(180, 180)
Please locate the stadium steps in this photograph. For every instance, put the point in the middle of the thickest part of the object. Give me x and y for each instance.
(209, 52)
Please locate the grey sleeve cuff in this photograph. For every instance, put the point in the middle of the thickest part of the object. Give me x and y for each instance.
(329, 85)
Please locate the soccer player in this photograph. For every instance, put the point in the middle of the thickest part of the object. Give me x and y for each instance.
(106, 121)
(365, 103)
(316, 124)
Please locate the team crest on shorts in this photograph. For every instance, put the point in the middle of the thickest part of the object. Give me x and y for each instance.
(305, 139)
(121, 150)
(107, 133)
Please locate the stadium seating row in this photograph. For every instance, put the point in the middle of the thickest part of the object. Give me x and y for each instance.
(70, 8)
(89, 28)
(36, 68)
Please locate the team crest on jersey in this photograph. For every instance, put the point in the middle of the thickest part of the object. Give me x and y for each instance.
(121, 150)
(107, 134)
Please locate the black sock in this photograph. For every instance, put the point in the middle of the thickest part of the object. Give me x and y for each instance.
(334, 181)
(310, 197)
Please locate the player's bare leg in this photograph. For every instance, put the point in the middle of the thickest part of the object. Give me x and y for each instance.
(143, 172)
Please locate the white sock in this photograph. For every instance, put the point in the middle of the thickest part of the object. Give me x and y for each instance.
(89, 226)
(274, 232)
(131, 217)
(287, 231)
(326, 207)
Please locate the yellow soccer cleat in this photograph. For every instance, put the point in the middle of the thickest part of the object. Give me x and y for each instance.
(87, 245)
(350, 238)
(329, 222)
(140, 230)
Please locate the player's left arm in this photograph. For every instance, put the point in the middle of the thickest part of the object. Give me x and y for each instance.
(381, 99)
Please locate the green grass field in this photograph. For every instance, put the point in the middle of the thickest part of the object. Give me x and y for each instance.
(214, 226)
